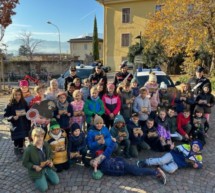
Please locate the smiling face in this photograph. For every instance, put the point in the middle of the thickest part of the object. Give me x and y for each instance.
(195, 148)
(62, 98)
(24, 89)
(17, 96)
(78, 96)
(99, 125)
(55, 131)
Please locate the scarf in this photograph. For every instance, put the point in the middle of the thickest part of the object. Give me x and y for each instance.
(56, 137)
(62, 106)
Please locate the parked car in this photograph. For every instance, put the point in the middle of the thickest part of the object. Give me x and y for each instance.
(143, 76)
(82, 71)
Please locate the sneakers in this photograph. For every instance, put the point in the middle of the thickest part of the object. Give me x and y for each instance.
(161, 176)
(141, 164)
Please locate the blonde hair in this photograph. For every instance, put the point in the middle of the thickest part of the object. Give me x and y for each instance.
(76, 92)
(93, 89)
(53, 81)
(37, 131)
(76, 80)
(37, 88)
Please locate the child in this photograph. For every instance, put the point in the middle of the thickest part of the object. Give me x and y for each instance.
(85, 90)
(101, 89)
(15, 112)
(153, 93)
(78, 108)
(57, 138)
(134, 87)
(200, 125)
(206, 100)
(99, 138)
(93, 106)
(120, 135)
(64, 111)
(37, 159)
(182, 156)
(183, 124)
(112, 105)
(24, 85)
(184, 99)
(71, 77)
(127, 100)
(136, 136)
(69, 92)
(151, 135)
(162, 124)
(53, 90)
(40, 95)
(172, 122)
(142, 106)
(119, 167)
(164, 96)
(77, 143)
(77, 83)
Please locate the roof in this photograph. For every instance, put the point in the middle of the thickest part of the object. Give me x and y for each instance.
(84, 39)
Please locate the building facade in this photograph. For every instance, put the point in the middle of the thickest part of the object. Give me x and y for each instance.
(82, 48)
(123, 21)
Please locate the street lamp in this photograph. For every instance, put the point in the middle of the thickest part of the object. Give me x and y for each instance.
(58, 36)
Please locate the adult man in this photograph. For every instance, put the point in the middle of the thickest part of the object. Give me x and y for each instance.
(199, 81)
(120, 76)
(71, 77)
(98, 76)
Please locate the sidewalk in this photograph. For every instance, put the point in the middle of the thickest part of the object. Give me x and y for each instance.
(14, 178)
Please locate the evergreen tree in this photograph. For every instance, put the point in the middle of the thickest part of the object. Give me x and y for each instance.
(95, 41)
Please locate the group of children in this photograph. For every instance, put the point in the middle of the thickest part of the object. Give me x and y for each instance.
(120, 123)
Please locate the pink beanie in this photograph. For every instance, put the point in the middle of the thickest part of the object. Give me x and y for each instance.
(23, 83)
(110, 85)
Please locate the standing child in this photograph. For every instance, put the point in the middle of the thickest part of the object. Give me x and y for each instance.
(57, 139)
(85, 90)
(142, 106)
(24, 85)
(77, 82)
(40, 95)
(93, 106)
(112, 105)
(69, 92)
(53, 90)
(120, 135)
(101, 88)
(38, 160)
(64, 112)
(182, 156)
(77, 143)
(78, 108)
(134, 87)
(15, 112)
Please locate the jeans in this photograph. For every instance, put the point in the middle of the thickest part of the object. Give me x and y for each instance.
(166, 162)
(48, 174)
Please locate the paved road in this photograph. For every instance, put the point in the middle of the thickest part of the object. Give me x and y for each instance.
(14, 178)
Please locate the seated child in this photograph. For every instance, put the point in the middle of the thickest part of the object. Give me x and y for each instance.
(199, 124)
(57, 139)
(164, 96)
(182, 156)
(99, 138)
(37, 159)
(119, 167)
(136, 135)
(77, 143)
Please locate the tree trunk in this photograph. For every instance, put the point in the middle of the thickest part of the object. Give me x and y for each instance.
(212, 62)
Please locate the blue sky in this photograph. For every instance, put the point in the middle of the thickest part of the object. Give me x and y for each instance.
(73, 17)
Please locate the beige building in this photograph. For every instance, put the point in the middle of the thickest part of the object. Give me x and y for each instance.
(83, 47)
(123, 21)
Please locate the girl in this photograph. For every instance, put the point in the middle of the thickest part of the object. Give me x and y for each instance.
(77, 83)
(53, 90)
(15, 113)
(164, 96)
(78, 108)
(40, 95)
(112, 105)
(24, 85)
(101, 89)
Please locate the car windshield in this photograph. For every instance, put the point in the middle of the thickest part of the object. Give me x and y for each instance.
(160, 78)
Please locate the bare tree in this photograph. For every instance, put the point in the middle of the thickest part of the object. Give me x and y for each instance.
(29, 43)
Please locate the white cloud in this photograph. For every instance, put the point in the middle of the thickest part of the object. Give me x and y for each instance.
(19, 25)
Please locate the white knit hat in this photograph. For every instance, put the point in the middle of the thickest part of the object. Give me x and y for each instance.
(152, 77)
(163, 85)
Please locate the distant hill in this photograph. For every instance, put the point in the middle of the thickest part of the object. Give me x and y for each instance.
(44, 47)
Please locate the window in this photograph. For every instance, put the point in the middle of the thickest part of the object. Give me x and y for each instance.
(85, 46)
(125, 40)
(125, 15)
(158, 7)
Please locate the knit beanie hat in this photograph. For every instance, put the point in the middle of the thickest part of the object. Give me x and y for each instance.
(97, 120)
(119, 118)
(97, 175)
(152, 77)
(163, 85)
(198, 142)
(53, 124)
(110, 85)
(74, 127)
(134, 80)
(62, 93)
(23, 83)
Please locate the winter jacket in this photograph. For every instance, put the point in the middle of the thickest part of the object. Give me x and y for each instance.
(183, 104)
(21, 126)
(92, 107)
(59, 146)
(95, 78)
(85, 92)
(182, 152)
(112, 104)
(208, 98)
(126, 109)
(120, 76)
(69, 97)
(172, 122)
(135, 91)
(163, 132)
(199, 124)
(78, 143)
(165, 99)
(31, 157)
(68, 80)
(181, 123)
(140, 103)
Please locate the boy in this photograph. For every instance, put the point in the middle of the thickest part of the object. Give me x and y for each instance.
(182, 156)
(85, 90)
(69, 92)
(57, 138)
(142, 106)
(37, 159)
(120, 135)
(136, 136)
